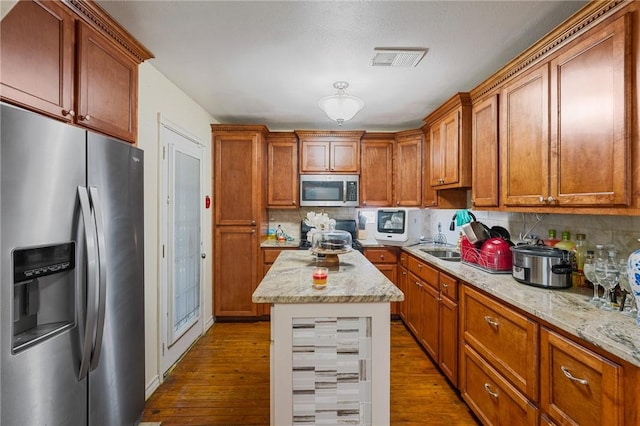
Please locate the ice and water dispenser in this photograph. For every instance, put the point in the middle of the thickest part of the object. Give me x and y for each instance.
(43, 293)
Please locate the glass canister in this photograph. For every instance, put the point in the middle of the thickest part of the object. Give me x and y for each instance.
(633, 274)
(331, 241)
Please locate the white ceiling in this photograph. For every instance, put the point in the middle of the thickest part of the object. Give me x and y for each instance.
(268, 62)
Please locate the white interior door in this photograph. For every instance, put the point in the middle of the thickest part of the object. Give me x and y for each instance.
(182, 243)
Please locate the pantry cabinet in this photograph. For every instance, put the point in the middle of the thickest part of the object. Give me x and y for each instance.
(329, 151)
(408, 169)
(79, 66)
(282, 170)
(376, 175)
(240, 216)
(450, 143)
(484, 142)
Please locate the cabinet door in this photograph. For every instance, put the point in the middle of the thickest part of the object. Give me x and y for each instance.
(403, 280)
(484, 187)
(524, 138)
(376, 176)
(314, 156)
(578, 386)
(237, 178)
(345, 156)
(490, 396)
(590, 163)
(408, 172)
(107, 86)
(414, 305)
(448, 339)
(282, 172)
(505, 338)
(235, 269)
(450, 140)
(430, 320)
(37, 58)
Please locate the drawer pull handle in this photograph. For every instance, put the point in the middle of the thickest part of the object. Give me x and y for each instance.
(491, 322)
(567, 373)
(488, 389)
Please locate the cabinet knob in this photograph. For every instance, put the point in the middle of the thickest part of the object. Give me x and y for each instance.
(253, 222)
(445, 285)
(293, 203)
(550, 199)
(433, 203)
(382, 256)
(70, 113)
(364, 203)
(203, 255)
(85, 117)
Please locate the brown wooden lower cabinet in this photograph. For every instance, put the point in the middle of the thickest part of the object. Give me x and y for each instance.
(492, 398)
(579, 386)
(433, 314)
(269, 255)
(512, 368)
(386, 260)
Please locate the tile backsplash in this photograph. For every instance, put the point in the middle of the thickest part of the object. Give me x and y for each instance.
(623, 231)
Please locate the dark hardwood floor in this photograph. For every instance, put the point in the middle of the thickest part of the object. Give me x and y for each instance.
(224, 380)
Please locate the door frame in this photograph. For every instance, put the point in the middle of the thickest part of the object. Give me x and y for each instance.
(163, 234)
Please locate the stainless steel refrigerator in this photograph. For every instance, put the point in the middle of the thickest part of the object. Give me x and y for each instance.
(71, 296)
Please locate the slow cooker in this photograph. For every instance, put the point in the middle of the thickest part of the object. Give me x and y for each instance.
(542, 266)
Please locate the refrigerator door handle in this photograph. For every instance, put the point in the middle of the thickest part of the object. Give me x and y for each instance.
(102, 282)
(92, 259)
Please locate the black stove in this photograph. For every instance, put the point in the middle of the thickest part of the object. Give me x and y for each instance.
(342, 225)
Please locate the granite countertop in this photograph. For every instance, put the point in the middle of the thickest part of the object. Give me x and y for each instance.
(267, 243)
(567, 309)
(357, 280)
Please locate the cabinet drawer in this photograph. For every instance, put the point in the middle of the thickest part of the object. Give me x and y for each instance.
(381, 255)
(577, 385)
(448, 286)
(505, 338)
(490, 396)
(423, 271)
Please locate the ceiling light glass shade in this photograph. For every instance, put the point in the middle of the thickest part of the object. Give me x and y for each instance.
(341, 106)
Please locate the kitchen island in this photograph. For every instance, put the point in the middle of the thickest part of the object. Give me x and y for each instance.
(329, 347)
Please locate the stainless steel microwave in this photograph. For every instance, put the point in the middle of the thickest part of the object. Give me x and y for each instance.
(329, 190)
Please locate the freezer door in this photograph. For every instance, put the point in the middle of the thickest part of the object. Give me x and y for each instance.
(42, 164)
(116, 384)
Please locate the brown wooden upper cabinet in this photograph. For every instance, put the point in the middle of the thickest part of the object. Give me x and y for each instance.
(282, 170)
(239, 176)
(78, 67)
(564, 136)
(450, 143)
(376, 174)
(408, 168)
(329, 151)
(484, 137)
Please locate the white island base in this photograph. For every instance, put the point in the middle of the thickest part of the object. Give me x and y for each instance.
(330, 363)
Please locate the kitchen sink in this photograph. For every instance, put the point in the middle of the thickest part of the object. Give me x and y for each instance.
(444, 254)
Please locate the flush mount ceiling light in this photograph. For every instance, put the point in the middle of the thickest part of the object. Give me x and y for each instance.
(341, 106)
(397, 57)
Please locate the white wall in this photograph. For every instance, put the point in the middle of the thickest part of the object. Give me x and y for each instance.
(159, 95)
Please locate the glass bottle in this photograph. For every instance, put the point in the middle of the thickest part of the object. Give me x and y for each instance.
(552, 240)
(280, 233)
(566, 243)
(589, 269)
(580, 251)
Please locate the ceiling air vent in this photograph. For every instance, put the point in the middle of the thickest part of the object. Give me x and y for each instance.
(397, 57)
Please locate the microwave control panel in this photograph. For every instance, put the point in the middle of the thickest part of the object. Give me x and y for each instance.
(352, 191)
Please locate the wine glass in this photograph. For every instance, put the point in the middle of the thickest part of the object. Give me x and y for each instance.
(589, 270)
(608, 275)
